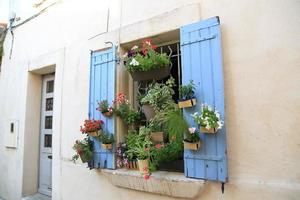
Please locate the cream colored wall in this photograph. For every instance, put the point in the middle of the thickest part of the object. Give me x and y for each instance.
(261, 72)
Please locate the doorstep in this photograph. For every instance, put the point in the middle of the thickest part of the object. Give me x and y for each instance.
(172, 184)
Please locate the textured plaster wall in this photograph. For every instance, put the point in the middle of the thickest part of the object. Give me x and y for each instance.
(262, 84)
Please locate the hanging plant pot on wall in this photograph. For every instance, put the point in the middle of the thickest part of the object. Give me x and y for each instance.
(205, 130)
(106, 146)
(94, 133)
(187, 103)
(157, 74)
(148, 111)
(192, 145)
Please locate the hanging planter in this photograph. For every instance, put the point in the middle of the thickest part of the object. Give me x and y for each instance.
(148, 111)
(93, 133)
(85, 158)
(144, 63)
(143, 166)
(157, 137)
(107, 114)
(205, 130)
(208, 118)
(106, 146)
(187, 98)
(192, 145)
(187, 103)
(192, 139)
(157, 74)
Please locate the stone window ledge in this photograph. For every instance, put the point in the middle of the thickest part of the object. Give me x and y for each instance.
(164, 183)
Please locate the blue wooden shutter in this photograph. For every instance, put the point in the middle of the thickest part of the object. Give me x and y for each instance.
(202, 62)
(102, 87)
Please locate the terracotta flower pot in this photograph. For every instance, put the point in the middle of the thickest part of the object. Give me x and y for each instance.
(187, 103)
(107, 114)
(132, 165)
(106, 146)
(157, 74)
(148, 111)
(205, 130)
(157, 136)
(192, 146)
(143, 166)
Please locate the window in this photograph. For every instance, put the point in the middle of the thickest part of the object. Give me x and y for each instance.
(173, 50)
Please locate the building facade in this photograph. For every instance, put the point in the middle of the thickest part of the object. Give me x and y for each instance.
(46, 64)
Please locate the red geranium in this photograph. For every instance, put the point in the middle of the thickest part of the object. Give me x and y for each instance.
(91, 125)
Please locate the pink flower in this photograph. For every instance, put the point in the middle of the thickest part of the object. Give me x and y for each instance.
(158, 146)
(192, 130)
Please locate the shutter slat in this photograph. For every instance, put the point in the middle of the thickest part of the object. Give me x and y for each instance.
(102, 87)
(202, 62)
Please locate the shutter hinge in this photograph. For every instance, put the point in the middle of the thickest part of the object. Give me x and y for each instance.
(199, 39)
(223, 187)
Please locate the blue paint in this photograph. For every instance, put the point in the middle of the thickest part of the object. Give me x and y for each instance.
(102, 87)
(202, 62)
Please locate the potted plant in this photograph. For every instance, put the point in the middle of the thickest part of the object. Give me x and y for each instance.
(144, 63)
(158, 98)
(209, 120)
(186, 94)
(192, 140)
(92, 127)
(139, 147)
(107, 141)
(123, 109)
(105, 109)
(84, 150)
(156, 134)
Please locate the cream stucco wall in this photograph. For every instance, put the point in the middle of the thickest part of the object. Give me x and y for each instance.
(260, 41)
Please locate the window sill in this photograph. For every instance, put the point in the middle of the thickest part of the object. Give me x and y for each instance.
(164, 183)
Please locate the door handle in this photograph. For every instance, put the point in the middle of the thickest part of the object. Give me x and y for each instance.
(50, 157)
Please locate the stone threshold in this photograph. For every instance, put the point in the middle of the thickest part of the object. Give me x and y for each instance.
(160, 182)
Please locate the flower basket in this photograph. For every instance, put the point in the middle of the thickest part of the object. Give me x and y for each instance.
(94, 133)
(148, 111)
(132, 165)
(187, 103)
(157, 137)
(205, 130)
(143, 166)
(106, 146)
(84, 158)
(192, 146)
(107, 114)
(157, 74)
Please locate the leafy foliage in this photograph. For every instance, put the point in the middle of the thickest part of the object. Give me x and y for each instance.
(123, 109)
(159, 95)
(187, 91)
(145, 58)
(106, 138)
(84, 149)
(208, 118)
(192, 136)
(104, 107)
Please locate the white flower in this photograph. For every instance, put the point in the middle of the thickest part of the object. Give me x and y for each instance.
(134, 47)
(134, 62)
(192, 130)
(147, 42)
